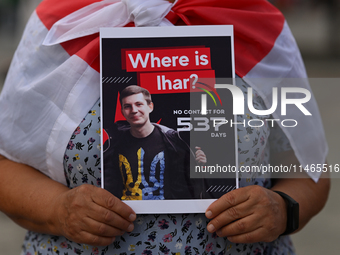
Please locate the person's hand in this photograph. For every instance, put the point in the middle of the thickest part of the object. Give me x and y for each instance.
(248, 215)
(200, 155)
(92, 215)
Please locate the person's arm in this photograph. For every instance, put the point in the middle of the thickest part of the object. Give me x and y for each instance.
(254, 214)
(311, 196)
(85, 214)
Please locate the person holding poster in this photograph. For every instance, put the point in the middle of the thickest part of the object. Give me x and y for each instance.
(146, 149)
(50, 137)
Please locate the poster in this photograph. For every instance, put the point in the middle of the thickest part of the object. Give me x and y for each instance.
(168, 148)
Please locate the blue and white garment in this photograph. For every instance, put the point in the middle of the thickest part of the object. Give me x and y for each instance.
(180, 234)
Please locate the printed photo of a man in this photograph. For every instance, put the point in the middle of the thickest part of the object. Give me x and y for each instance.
(145, 160)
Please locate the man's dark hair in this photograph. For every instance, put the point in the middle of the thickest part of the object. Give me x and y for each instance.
(134, 89)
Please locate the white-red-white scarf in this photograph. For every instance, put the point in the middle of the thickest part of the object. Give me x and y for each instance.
(54, 76)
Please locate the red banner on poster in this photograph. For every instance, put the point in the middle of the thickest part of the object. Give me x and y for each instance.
(152, 60)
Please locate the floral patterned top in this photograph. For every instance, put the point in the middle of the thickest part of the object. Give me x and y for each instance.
(164, 234)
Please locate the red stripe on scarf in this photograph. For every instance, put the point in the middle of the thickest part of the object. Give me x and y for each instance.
(257, 24)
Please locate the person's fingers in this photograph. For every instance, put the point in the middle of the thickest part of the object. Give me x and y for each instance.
(230, 215)
(201, 160)
(92, 210)
(200, 156)
(252, 209)
(252, 229)
(95, 240)
(246, 224)
(227, 201)
(199, 153)
(106, 199)
(101, 229)
(109, 217)
(259, 234)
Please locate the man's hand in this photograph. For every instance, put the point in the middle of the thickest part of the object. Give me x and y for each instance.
(92, 215)
(248, 215)
(200, 155)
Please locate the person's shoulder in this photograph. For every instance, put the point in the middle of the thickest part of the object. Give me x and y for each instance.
(117, 132)
(166, 130)
(171, 135)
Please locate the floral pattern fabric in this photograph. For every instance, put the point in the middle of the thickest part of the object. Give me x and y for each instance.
(168, 234)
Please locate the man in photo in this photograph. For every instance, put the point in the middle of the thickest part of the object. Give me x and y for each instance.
(148, 161)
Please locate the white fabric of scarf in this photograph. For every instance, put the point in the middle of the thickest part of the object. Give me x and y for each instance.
(108, 13)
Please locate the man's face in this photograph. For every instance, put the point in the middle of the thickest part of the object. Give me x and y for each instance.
(136, 110)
